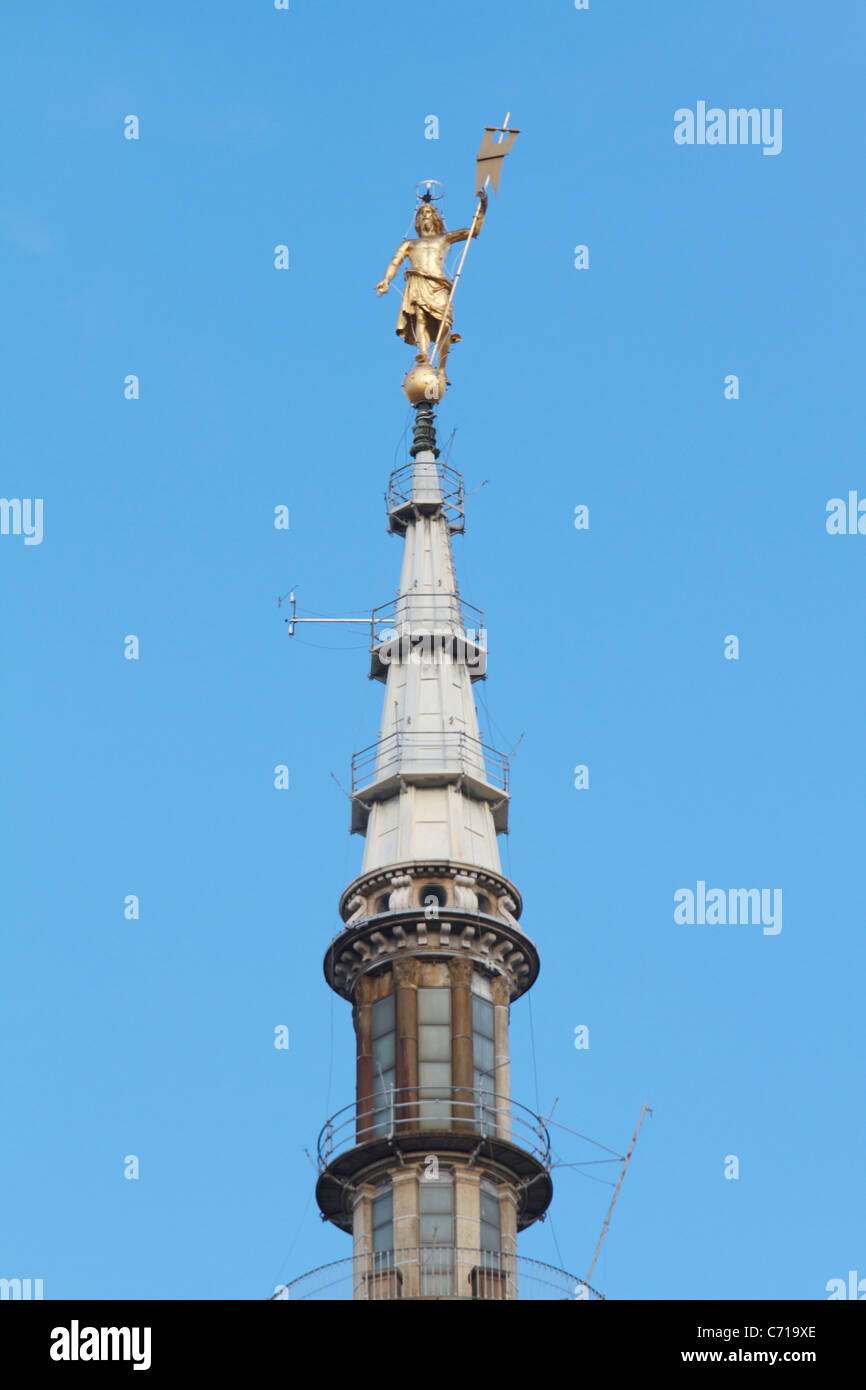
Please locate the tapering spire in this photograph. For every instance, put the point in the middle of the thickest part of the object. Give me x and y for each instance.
(433, 1169)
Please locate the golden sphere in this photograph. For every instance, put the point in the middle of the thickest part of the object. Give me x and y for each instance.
(424, 383)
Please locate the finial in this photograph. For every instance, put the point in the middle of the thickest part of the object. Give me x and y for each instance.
(424, 383)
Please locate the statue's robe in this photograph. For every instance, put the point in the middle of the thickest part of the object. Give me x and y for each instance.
(428, 292)
(426, 289)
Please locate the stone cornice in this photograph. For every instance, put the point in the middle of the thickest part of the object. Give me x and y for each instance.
(371, 885)
(497, 947)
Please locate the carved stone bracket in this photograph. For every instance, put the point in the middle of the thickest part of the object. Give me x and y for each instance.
(503, 951)
(363, 898)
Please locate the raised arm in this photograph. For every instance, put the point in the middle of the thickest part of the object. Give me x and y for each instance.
(462, 233)
(394, 264)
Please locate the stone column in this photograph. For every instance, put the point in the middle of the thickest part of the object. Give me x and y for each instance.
(508, 1219)
(467, 1228)
(362, 1241)
(406, 1231)
(462, 1074)
(501, 995)
(365, 993)
(406, 974)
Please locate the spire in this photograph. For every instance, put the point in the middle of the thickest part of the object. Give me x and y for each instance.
(434, 1168)
(430, 787)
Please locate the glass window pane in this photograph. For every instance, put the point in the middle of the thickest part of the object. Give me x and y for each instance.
(434, 1005)
(436, 1196)
(490, 1218)
(383, 1081)
(482, 1016)
(436, 1206)
(436, 1074)
(383, 1226)
(383, 1015)
(383, 1064)
(489, 1206)
(383, 1052)
(436, 1229)
(434, 1043)
(485, 1103)
(483, 1054)
(489, 1237)
(381, 1118)
(383, 1217)
(383, 1207)
(383, 1238)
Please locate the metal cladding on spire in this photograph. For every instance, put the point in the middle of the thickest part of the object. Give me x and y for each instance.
(429, 788)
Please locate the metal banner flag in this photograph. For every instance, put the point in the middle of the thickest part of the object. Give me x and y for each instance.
(488, 164)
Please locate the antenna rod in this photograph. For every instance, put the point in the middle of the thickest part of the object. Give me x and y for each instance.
(645, 1111)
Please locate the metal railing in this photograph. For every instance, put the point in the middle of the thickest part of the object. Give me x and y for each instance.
(403, 483)
(391, 1112)
(427, 627)
(436, 1271)
(426, 754)
(419, 611)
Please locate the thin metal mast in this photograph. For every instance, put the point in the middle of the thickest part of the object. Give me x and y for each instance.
(644, 1111)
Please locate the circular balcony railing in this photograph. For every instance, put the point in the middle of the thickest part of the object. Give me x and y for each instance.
(403, 487)
(446, 611)
(436, 1272)
(427, 756)
(393, 1113)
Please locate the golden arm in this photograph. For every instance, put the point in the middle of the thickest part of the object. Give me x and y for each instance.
(394, 265)
(462, 233)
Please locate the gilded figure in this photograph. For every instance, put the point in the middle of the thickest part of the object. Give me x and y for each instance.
(426, 303)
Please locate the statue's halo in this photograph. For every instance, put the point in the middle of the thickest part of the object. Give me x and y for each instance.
(425, 191)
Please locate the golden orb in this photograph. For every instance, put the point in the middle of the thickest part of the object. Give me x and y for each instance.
(424, 383)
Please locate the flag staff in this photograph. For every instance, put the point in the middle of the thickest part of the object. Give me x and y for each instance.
(484, 153)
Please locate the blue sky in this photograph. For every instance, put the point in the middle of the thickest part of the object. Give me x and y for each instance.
(602, 387)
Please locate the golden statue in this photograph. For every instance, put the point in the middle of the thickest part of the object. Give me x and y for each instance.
(426, 311)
